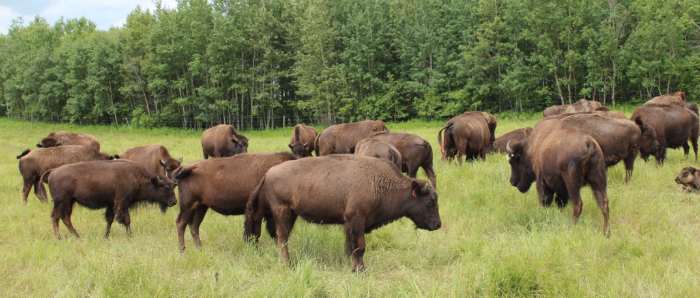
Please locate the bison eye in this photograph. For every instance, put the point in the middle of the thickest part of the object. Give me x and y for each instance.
(430, 202)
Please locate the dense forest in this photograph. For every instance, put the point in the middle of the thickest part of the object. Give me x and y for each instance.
(259, 63)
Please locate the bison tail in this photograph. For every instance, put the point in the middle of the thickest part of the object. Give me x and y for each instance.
(42, 189)
(184, 172)
(25, 152)
(575, 162)
(316, 143)
(252, 218)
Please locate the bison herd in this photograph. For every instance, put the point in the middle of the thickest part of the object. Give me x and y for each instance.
(356, 177)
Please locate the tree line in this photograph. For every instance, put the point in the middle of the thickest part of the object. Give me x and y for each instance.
(257, 63)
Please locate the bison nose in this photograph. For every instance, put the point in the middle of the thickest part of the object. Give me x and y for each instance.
(439, 225)
(678, 180)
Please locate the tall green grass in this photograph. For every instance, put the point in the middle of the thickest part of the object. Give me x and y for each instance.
(494, 241)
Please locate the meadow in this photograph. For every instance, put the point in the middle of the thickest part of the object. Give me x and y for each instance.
(494, 241)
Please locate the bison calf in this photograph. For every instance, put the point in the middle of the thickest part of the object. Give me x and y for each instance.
(689, 177)
(362, 193)
(378, 149)
(223, 141)
(115, 185)
(302, 141)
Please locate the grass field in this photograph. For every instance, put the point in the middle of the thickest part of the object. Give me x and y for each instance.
(494, 241)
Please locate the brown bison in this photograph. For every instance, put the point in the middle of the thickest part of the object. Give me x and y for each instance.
(470, 134)
(359, 192)
(583, 105)
(674, 99)
(415, 153)
(155, 158)
(55, 139)
(674, 126)
(302, 141)
(33, 164)
(224, 185)
(222, 141)
(499, 145)
(560, 159)
(620, 139)
(115, 185)
(689, 177)
(603, 111)
(342, 138)
(379, 149)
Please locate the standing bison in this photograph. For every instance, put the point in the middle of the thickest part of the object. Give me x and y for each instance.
(302, 141)
(470, 134)
(379, 149)
(223, 140)
(359, 192)
(415, 153)
(224, 185)
(155, 158)
(499, 145)
(674, 126)
(560, 159)
(342, 138)
(55, 139)
(674, 99)
(115, 185)
(33, 164)
(582, 105)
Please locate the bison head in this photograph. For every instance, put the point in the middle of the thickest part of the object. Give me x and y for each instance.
(239, 144)
(170, 165)
(48, 142)
(423, 206)
(689, 177)
(300, 149)
(163, 192)
(521, 172)
(648, 143)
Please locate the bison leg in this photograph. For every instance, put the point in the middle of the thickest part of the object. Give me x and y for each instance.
(428, 168)
(629, 166)
(686, 149)
(285, 219)
(694, 141)
(196, 220)
(55, 216)
(355, 241)
(66, 220)
(270, 226)
(26, 189)
(546, 195)
(41, 197)
(109, 217)
(183, 219)
(660, 154)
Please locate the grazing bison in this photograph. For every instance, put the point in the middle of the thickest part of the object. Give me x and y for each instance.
(603, 111)
(379, 149)
(155, 158)
(115, 185)
(674, 126)
(415, 153)
(55, 139)
(224, 185)
(302, 141)
(582, 105)
(620, 139)
(222, 141)
(674, 99)
(499, 145)
(342, 138)
(560, 159)
(359, 192)
(689, 177)
(471, 134)
(33, 163)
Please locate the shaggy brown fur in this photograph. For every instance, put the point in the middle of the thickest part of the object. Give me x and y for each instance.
(223, 140)
(674, 126)
(69, 138)
(33, 164)
(302, 141)
(470, 134)
(359, 192)
(154, 158)
(342, 138)
(689, 177)
(379, 149)
(224, 185)
(115, 185)
(560, 159)
(515, 135)
(415, 153)
(583, 105)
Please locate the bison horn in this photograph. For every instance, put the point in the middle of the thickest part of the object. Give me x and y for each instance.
(508, 149)
(426, 188)
(180, 160)
(234, 140)
(161, 162)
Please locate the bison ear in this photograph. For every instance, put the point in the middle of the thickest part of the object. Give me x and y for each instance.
(161, 162)
(157, 181)
(290, 146)
(692, 170)
(306, 146)
(234, 140)
(180, 160)
(58, 144)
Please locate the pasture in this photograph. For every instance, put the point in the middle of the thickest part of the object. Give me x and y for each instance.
(494, 240)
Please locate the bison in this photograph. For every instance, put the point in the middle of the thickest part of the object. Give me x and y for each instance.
(359, 192)
(222, 141)
(560, 159)
(115, 185)
(224, 185)
(674, 126)
(470, 134)
(342, 138)
(415, 153)
(155, 158)
(302, 141)
(620, 139)
(689, 177)
(674, 99)
(55, 139)
(499, 145)
(33, 163)
(379, 149)
(583, 105)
